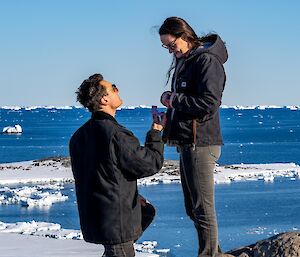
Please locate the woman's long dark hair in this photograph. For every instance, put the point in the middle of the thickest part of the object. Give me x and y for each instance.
(178, 27)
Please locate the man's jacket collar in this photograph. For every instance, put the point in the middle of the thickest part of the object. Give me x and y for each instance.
(102, 116)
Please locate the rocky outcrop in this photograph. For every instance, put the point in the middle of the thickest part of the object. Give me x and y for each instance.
(282, 245)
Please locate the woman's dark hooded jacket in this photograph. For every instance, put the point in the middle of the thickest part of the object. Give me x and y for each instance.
(199, 83)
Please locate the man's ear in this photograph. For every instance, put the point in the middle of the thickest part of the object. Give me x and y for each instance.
(104, 100)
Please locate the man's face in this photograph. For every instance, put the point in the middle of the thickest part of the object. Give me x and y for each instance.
(112, 94)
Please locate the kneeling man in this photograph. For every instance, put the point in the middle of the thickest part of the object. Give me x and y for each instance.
(107, 159)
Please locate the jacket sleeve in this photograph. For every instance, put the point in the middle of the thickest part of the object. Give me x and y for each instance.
(209, 85)
(138, 161)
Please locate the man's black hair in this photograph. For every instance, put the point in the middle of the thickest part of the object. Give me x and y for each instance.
(90, 92)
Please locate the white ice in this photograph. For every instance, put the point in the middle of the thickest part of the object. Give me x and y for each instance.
(16, 129)
(132, 107)
(29, 196)
(38, 239)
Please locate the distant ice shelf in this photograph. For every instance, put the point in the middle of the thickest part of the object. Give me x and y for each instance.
(143, 106)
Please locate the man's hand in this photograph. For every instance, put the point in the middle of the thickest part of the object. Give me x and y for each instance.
(159, 125)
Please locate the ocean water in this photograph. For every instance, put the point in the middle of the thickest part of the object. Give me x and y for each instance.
(250, 136)
(247, 211)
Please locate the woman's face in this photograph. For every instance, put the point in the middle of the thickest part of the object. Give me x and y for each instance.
(175, 45)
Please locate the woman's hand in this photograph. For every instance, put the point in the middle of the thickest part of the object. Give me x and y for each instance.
(165, 98)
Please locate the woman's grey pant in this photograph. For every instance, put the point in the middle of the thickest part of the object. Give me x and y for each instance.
(196, 169)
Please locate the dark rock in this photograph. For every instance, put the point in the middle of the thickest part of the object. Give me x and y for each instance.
(65, 161)
(282, 245)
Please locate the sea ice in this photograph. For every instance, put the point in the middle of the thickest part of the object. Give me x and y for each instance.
(32, 196)
(16, 129)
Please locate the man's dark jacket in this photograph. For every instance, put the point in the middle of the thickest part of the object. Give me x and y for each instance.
(199, 84)
(107, 160)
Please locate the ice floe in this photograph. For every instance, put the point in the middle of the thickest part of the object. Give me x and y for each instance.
(26, 196)
(16, 129)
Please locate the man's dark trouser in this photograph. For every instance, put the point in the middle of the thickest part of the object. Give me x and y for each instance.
(126, 249)
(197, 179)
(119, 250)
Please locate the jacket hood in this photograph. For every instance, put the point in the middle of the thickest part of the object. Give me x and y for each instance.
(212, 44)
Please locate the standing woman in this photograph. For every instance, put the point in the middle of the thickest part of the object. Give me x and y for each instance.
(193, 124)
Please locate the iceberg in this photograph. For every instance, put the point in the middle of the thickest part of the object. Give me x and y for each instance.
(12, 129)
(293, 107)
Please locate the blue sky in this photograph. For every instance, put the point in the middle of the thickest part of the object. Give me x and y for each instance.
(48, 48)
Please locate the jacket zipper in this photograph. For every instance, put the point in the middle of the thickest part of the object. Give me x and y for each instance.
(194, 124)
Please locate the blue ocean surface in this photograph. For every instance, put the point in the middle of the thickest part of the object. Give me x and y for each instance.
(250, 135)
(247, 211)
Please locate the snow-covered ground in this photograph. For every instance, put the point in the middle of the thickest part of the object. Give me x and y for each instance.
(16, 245)
(39, 183)
(38, 239)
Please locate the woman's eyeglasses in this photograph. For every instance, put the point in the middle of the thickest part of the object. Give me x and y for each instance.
(171, 45)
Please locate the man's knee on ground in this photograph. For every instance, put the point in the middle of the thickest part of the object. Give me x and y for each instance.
(148, 214)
